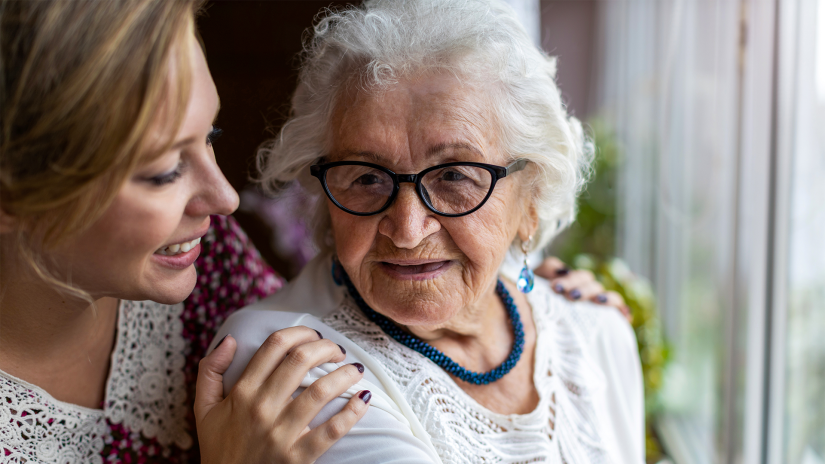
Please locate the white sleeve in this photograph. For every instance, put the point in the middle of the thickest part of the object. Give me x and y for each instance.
(616, 353)
(378, 438)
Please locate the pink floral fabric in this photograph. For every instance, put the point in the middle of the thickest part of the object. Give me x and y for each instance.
(231, 275)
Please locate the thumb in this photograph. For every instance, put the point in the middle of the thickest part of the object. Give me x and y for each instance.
(209, 388)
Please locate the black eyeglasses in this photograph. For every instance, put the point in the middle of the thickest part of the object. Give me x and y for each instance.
(451, 189)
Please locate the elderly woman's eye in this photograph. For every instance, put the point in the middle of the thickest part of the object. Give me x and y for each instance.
(452, 176)
(368, 179)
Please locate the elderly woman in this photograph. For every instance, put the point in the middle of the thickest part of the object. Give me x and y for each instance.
(436, 132)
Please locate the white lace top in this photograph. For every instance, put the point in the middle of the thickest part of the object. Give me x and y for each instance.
(587, 373)
(145, 392)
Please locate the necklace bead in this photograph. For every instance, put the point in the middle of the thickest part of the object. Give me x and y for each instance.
(444, 361)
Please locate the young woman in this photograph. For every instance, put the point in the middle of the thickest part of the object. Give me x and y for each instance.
(110, 199)
(108, 186)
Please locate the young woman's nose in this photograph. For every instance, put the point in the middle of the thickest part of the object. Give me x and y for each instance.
(213, 194)
(408, 221)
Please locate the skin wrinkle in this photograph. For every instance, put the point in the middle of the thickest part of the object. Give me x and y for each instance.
(458, 312)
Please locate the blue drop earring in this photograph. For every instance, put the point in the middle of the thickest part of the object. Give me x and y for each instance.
(526, 278)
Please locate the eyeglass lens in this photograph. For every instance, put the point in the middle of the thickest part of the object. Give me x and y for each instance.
(450, 190)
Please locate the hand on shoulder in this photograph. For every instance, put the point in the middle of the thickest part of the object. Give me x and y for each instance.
(259, 420)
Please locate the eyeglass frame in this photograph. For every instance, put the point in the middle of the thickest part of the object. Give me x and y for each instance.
(497, 172)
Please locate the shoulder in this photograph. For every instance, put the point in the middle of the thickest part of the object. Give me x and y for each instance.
(598, 327)
(250, 328)
(603, 345)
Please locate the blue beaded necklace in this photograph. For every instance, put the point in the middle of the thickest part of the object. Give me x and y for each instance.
(436, 356)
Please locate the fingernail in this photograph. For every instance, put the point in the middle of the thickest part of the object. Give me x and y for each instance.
(342, 349)
(575, 294)
(559, 288)
(219, 343)
(563, 271)
(359, 366)
(319, 334)
(601, 298)
(365, 396)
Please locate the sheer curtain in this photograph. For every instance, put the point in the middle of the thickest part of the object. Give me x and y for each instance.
(801, 438)
(669, 88)
(719, 108)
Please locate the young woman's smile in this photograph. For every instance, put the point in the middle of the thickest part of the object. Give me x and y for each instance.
(182, 254)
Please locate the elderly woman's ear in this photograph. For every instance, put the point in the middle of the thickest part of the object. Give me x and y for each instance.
(530, 216)
(575, 285)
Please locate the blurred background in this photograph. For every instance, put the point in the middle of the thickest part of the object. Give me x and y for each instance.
(705, 210)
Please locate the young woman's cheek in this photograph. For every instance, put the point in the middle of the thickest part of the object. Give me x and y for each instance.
(143, 220)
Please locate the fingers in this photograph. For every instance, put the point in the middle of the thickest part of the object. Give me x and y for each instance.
(209, 387)
(552, 268)
(580, 285)
(287, 377)
(273, 351)
(572, 285)
(586, 291)
(321, 438)
(309, 403)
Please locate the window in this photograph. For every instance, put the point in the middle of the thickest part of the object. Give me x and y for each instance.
(719, 107)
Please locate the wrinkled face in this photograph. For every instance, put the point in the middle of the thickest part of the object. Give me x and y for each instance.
(413, 266)
(144, 245)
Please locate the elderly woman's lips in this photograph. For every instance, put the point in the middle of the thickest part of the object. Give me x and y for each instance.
(416, 270)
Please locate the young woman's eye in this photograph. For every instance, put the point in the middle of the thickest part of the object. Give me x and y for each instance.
(168, 178)
(213, 135)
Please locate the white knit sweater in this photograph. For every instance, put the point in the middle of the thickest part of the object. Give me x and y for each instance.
(587, 374)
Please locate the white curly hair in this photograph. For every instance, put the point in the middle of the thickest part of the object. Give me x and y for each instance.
(384, 41)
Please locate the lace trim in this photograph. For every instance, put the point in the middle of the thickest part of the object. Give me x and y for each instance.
(562, 429)
(34, 427)
(147, 387)
(146, 392)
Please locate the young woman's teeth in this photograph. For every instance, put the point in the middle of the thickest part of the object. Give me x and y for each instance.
(178, 248)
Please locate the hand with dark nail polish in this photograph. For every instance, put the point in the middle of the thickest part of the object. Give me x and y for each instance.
(601, 298)
(559, 288)
(365, 396)
(359, 366)
(342, 349)
(319, 334)
(562, 271)
(575, 294)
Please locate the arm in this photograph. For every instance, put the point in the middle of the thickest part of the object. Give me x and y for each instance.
(615, 351)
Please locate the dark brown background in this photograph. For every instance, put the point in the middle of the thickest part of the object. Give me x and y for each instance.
(252, 48)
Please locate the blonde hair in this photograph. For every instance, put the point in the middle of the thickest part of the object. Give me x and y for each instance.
(82, 84)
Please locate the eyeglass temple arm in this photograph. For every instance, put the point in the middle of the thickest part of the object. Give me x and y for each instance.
(515, 167)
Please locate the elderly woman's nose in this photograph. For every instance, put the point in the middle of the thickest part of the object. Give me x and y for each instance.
(408, 221)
